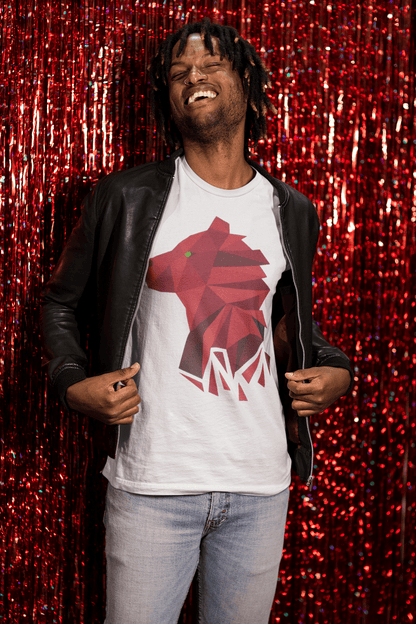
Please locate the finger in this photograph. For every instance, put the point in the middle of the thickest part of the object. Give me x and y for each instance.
(307, 408)
(131, 385)
(305, 413)
(304, 389)
(129, 412)
(126, 418)
(126, 397)
(124, 374)
(307, 399)
(131, 371)
(126, 390)
(304, 409)
(131, 403)
(304, 374)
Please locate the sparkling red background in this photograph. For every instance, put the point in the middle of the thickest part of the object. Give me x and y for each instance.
(75, 106)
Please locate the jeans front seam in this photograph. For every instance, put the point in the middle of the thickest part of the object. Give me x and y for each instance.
(208, 521)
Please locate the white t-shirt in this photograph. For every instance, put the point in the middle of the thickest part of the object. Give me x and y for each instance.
(210, 417)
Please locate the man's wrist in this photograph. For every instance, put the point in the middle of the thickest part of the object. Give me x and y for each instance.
(70, 396)
(67, 376)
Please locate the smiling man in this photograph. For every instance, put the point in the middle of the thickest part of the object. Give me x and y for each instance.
(198, 267)
(206, 94)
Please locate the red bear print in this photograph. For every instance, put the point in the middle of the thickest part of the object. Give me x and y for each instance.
(218, 279)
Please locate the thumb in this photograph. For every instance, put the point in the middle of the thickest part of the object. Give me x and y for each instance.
(124, 374)
(300, 375)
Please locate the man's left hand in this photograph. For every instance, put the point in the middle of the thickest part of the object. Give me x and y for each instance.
(315, 389)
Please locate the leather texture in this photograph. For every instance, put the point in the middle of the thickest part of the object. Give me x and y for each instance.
(92, 296)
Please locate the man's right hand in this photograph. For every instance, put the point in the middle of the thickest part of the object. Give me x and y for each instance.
(98, 398)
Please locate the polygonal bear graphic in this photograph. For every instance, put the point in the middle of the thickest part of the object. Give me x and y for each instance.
(218, 279)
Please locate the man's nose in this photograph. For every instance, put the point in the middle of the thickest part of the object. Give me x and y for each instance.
(195, 75)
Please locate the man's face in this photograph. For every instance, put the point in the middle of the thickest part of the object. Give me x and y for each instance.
(205, 93)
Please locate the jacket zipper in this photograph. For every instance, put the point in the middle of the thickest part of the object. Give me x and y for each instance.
(309, 480)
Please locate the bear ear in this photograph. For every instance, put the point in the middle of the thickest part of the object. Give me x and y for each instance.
(220, 225)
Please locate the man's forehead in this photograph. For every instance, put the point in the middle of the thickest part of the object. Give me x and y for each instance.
(195, 44)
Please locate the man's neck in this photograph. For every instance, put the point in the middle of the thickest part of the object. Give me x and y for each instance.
(221, 165)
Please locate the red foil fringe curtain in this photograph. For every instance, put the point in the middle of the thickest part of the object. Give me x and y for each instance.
(74, 100)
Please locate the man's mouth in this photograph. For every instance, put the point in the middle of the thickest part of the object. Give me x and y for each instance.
(200, 95)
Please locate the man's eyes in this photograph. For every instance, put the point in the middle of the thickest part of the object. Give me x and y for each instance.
(212, 65)
(180, 74)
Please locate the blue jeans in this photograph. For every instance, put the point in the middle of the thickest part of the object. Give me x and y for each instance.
(154, 545)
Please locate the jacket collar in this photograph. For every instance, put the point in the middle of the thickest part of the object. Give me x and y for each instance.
(167, 166)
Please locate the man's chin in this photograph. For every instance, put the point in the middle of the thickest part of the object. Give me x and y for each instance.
(209, 131)
(198, 130)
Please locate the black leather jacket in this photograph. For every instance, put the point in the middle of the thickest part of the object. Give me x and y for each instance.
(96, 285)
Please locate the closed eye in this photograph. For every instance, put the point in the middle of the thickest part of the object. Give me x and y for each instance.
(179, 75)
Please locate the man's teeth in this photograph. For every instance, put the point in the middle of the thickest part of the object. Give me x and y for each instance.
(201, 94)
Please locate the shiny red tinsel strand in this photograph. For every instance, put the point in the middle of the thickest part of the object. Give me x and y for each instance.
(74, 105)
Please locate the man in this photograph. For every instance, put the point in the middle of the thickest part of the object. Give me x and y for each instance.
(199, 268)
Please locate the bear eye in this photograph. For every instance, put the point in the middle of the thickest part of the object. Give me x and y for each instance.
(188, 254)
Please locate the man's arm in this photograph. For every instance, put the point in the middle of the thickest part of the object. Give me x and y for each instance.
(314, 389)
(66, 361)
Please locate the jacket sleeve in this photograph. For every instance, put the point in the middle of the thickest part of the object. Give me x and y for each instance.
(324, 354)
(64, 357)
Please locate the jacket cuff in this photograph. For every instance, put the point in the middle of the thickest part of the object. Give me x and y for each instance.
(65, 377)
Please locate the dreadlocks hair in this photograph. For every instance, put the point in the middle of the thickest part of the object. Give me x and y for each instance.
(244, 59)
